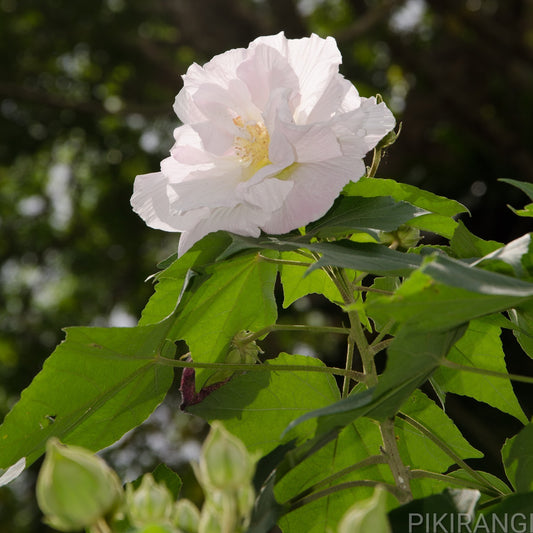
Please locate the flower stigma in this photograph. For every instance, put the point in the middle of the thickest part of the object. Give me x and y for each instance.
(251, 147)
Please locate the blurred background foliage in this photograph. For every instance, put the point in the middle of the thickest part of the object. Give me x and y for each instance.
(86, 93)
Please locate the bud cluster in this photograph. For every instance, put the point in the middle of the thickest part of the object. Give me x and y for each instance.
(77, 490)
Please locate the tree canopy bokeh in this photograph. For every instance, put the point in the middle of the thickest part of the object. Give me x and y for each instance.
(86, 95)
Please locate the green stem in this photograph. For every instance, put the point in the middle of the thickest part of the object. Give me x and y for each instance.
(343, 486)
(486, 372)
(349, 365)
(357, 335)
(294, 327)
(376, 159)
(369, 461)
(399, 471)
(100, 526)
(357, 376)
(454, 481)
(288, 262)
(447, 450)
(376, 348)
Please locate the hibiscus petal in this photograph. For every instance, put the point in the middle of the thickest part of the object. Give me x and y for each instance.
(316, 185)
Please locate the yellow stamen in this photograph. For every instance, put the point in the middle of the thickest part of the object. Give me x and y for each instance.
(252, 146)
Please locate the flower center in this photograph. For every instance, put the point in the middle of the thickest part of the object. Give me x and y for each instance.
(251, 147)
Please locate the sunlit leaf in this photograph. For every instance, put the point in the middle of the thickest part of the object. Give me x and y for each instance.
(98, 384)
(480, 347)
(442, 209)
(231, 296)
(170, 282)
(296, 284)
(517, 454)
(465, 244)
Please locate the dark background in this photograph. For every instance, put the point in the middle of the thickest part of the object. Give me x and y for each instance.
(86, 93)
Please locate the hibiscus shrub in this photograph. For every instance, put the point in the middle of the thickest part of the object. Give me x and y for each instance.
(266, 182)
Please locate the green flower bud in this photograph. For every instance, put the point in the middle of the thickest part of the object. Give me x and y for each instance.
(150, 503)
(367, 515)
(75, 488)
(403, 238)
(225, 463)
(186, 516)
(210, 521)
(245, 500)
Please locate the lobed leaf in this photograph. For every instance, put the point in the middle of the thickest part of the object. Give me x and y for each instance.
(97, 385)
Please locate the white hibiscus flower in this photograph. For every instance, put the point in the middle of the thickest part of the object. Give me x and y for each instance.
(271, 134)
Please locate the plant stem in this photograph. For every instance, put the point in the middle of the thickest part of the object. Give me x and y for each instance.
(294, 327)
(288, 262)
(100, 526)
(357, 376)
(447, 450)
(399, 471)
(357, 335)
(369, 461)
(454, 481)
(343, 486)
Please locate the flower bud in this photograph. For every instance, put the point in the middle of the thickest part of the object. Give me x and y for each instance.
(210, 521)
(403, 238)
(150, 503)
(75, 488)
(186, 516)
(367, 515)
(225, 463)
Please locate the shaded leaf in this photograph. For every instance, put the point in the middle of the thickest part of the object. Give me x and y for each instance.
(440, 511)
(412, 357)
(353, 213)
(257, 406)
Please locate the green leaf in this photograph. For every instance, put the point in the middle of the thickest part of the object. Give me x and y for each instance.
(296, 284)
(352, 213)
(526, 212)
(361, 256)
(367, 515)
(517, 454)
(512, 513)
(465, 244)
(98, 384)
(171, 281)
(436, 512)
(480, 347)
(424, 304)
(522, 317)
(163, 474)
(370, 187)
(442, 209)
(355, 443)
(522, 185)
(528, 189)
(416, 449)
(257, 406)
(366, 257)
(515, 258)
(233, 295)
(412, 357)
